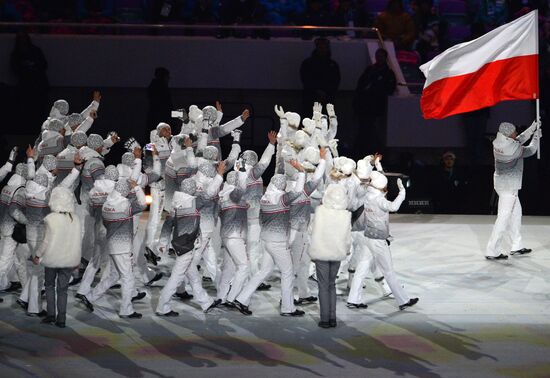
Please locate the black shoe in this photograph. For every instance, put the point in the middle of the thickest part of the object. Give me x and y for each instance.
(139, 296)
(75, 281)
(410, 303)
(522, 251)
(324, 324)
(263, 287)
(60, 324)
(206, 279)
(24, 305)
(228, 304)
(332, 323)
(357, 305)
(242, 308)
(214, 304)
(499, 257)
(135, 315)
(1, 300)
(41, 314)
(42, 293)
(14, 286)
(171, 252)
(86, 302)
(305, 301)
(379, 279)
(169, 314)
(115, 286)
(48, 320)
(352, 271)
(185, 296)
(295, 313)
(150, 256)
(156, 278)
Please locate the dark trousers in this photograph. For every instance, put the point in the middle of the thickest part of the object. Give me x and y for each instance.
(62, 275)
(326, 279)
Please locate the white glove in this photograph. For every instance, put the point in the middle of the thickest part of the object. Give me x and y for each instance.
(316, 116)
(538, 133)
(330, 110)
(13, 154)
(68, 130)
(236, 134)
(279, 111)
(317, 107)
(400, 185)
(368, 159)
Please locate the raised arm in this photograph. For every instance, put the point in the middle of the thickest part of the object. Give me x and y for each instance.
(235, 123)
(393, 206)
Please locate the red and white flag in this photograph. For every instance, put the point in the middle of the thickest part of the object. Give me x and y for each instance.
(500, 65)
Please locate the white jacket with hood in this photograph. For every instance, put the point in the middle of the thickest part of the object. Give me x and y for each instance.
(509, 154)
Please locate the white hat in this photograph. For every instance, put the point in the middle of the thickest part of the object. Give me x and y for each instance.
(363, 170)
(62, 200)
(506, 129)
(293, 119)
(378, 180)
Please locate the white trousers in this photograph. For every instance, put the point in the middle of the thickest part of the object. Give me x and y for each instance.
(32, 287)
(195, 281)
(10, 255)
(301, 261)
(97, 258)
(235, 269)
(278, 253)
(141, 270)
(155, 214)
(179, 270)
(382, 257)
(253, 245)
(211, 250)
(87, 222)
(364, 266)
(120, 267)
(508, 224)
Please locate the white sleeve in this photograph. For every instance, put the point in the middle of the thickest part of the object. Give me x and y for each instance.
(93, 106)
(136, 171)
(300, 182)
(228, 127)
(6, 168)
(319, 171)
(332, 128)
(392, 206)
(31, 169)
(70, 179)
(191, 160)
(214, 188)
(268, 154)
(140, 196)
(85, 125)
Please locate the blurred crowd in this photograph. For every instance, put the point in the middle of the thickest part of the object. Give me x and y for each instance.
(423, 27)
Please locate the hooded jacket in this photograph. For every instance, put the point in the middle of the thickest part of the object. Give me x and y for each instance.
(183, 218)
(61, 246)
(118, 218)
(233, 209)
(93, 167)
(331, 230)
(12, 204)
(509, 154)
(377, 210)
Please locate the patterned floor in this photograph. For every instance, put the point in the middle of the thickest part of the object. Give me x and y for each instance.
(475, 319)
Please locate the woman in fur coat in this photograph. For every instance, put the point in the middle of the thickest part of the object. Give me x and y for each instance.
(330, 243)
(59, 252)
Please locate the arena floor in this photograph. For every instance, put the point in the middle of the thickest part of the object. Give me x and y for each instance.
(475, 319)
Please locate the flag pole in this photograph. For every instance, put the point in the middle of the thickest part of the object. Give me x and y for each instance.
(537, 103)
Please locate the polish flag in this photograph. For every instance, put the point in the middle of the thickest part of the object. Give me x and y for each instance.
(500, 65)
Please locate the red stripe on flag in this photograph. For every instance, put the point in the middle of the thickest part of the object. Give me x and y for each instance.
(508, 79)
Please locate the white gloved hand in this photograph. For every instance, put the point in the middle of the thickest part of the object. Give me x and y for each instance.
(538, 133)
(279, 111)
(236, 134)
(13, 154)
(317, 116)
(368, 159)
(330, 110)
(400, 185)
(317, 107)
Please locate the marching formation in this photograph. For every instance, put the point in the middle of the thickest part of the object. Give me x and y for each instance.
(210, 218)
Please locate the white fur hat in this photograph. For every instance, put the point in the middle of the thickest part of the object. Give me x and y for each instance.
(363, 170)
(300, 138)
(506, 129)
(378, 180)
(311, 154)
(344, 165)
(62, 200)
(293, 119)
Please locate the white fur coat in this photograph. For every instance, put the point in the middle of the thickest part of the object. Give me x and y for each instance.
(331, 234)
